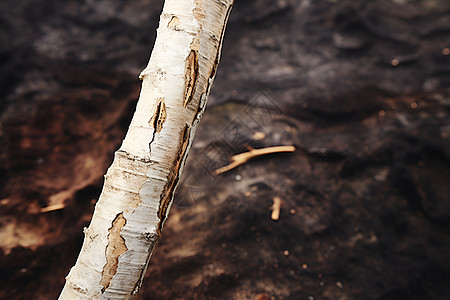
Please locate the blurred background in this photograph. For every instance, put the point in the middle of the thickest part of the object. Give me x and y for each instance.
(360, 88)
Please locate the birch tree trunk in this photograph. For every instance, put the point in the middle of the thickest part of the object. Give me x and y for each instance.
(140, 184)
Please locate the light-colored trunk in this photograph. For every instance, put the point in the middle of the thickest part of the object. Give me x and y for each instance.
(139, 185)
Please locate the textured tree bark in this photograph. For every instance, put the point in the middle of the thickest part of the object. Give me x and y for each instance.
(140, 184)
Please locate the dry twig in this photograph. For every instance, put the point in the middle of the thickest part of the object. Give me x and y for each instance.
(276, 207)
(52, 207)
(242, 158)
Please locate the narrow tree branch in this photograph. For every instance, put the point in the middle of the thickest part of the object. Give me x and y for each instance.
(140, 184)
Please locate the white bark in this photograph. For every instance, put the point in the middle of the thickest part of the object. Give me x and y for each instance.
(139, 185)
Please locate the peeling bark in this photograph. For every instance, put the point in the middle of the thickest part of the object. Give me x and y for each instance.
(158, 119)
(140, 184)
(174, 176)
(192, 73)
(116, 247)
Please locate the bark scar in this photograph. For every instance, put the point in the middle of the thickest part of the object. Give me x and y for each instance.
(172, 180)
(159, 117)
(174, 23)
(191, 76)
(116, 247)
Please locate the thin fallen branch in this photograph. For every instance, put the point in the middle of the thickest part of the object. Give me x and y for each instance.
(276, 207)
(52, 208)
(242, 158)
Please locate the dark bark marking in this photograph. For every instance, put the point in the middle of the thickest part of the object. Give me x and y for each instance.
(191, 76)
(159, 117)
(173, 178)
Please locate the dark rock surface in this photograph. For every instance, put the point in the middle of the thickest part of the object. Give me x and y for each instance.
(361, 88)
